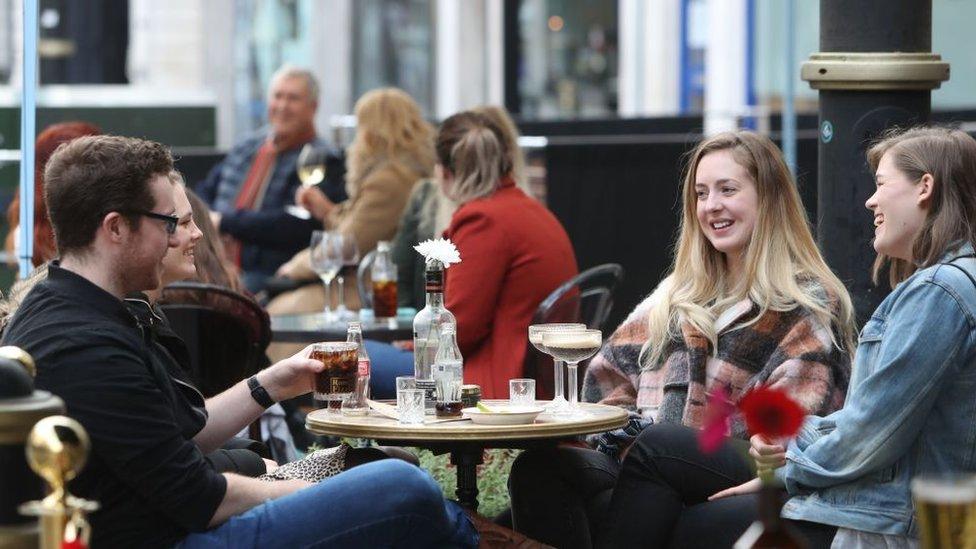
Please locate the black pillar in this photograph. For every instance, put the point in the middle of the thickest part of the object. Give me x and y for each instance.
(865, 88)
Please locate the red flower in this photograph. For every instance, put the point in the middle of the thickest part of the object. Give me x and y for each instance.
(715, 423)
(771, 413)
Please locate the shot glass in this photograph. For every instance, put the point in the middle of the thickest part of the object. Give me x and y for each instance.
(405, 382)
(410, 405)
(521, 392)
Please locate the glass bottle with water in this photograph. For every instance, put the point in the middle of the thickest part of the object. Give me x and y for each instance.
(427, 327)
(448, 374)
(355, 404)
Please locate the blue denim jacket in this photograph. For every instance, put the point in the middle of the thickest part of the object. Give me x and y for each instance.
(910, 409)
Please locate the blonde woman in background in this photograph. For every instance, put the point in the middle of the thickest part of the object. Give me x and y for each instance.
(392, 150)
(429, 212)
(514, 251)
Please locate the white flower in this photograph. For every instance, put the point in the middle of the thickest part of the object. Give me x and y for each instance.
(440, 249)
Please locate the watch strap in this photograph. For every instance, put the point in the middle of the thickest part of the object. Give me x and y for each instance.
(259, 393)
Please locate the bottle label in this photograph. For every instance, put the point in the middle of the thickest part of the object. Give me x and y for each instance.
(430, 394)
(434, 281)
(363, 367)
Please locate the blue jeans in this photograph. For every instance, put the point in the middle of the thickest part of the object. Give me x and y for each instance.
(386, 363)
(385, 503)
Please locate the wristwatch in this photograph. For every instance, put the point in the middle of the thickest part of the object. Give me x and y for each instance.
(259, 393)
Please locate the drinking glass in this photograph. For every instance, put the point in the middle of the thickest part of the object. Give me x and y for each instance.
(311, 171)
(559, 403)
(410, 406)
(521, 392)
(337, 380)
(946, 509)
(348, 253)
(573, 346)
(325, 261)
(405, 382)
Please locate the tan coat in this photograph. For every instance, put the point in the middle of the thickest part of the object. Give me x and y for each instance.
(370, 215)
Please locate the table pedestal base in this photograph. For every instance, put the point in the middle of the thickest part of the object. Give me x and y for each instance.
(467, 461)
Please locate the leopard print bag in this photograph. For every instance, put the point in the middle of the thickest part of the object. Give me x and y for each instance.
(315, 467)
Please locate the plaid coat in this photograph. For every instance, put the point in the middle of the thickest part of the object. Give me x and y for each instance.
(791, 350)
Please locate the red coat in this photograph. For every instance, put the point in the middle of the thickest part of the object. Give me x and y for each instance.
(514, 253)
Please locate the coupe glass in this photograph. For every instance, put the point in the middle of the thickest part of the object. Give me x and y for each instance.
(311, 172)
(573, 346)
(559, 403)
(348, 253)
(326, 262)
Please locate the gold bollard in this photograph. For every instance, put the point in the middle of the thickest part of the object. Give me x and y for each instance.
(57, 450)
(21, 407)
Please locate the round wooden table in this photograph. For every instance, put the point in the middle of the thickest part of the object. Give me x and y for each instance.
(465, 440)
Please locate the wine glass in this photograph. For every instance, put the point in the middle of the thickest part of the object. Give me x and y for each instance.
(326, 263)
(348, 254)
(311, 172)
(559, 403)
(573, 346)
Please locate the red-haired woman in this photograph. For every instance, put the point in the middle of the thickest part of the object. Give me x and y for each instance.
(47, 142)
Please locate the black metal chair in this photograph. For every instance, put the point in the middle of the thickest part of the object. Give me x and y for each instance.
(227, 333)
(586, 298)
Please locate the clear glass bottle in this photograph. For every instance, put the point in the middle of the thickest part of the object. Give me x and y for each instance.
(427, 331)
(384, 276)
(448, 374)
(355, 404)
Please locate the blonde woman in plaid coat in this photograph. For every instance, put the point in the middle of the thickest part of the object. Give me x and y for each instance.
(749, 300)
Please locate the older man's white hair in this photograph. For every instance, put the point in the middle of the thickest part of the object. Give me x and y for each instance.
(291, 71)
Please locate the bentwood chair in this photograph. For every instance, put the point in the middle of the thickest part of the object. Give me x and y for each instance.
(227, 333)
(586, 298)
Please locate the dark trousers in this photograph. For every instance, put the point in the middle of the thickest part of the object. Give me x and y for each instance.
(657, 498)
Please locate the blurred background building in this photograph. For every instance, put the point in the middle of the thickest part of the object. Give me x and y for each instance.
(193, 73)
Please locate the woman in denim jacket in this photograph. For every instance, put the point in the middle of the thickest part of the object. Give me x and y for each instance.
(910, 408)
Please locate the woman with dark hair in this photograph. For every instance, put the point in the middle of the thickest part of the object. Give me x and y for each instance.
(212, 265)
(47, 142)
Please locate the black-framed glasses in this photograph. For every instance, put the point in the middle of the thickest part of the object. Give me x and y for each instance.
(171, 220)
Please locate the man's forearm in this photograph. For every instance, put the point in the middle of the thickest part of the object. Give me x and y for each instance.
(228, 413)
(243, 493)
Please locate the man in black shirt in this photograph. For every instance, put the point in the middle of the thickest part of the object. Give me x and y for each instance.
(111, 206)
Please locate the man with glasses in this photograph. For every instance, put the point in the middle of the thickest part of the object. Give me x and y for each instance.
(111, 205)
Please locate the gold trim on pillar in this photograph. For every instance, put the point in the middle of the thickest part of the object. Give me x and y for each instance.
(874, 71)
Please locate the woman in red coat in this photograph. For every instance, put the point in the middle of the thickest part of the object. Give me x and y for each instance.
(514, 252)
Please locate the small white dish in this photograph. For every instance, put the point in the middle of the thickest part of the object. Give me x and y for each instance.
(502, 414)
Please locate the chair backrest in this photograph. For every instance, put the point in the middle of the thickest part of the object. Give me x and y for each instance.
(227, 333)
(363, 280)
(586, 298)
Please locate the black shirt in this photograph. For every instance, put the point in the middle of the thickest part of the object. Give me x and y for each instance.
(152, 481)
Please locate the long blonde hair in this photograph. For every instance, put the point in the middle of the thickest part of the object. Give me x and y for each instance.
(949, 156)
(389, 128)
(781, 260)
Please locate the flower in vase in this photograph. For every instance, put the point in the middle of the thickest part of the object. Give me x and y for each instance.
(439, 249)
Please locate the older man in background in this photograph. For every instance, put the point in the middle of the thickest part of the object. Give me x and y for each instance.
(252, 187)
